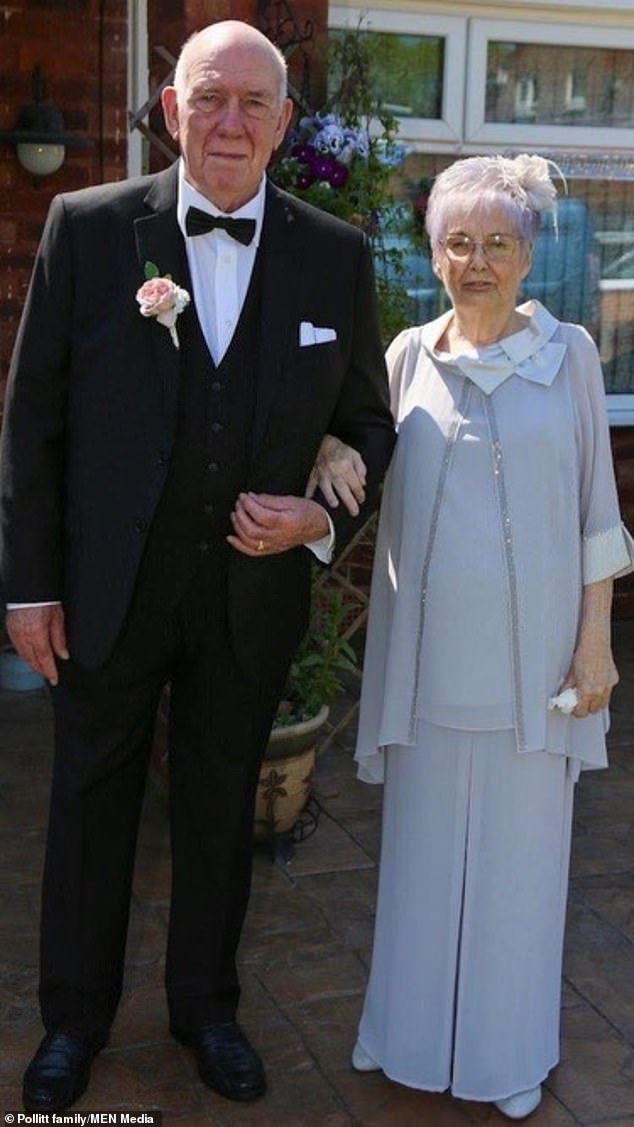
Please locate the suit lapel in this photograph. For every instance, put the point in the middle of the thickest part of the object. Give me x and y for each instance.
(159, 240)
(281, 262)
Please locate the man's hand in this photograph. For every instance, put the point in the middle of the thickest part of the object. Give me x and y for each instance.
(39, 636)
(339, 469)
(265, 525)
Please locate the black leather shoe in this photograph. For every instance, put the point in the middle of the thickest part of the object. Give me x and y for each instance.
(59, 1072)
(226, 1061)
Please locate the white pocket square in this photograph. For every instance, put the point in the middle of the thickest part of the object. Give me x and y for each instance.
(313, 334)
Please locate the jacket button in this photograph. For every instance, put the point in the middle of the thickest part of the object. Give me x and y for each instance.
(163, 457)
(216, 386)
(212, 467)
(208, 508)
(203, 546)
(141, 525)
(216, 427)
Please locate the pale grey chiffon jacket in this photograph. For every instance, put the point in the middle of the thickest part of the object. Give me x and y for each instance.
(557, 505)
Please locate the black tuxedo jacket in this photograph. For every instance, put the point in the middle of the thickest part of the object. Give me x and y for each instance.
(91, 406)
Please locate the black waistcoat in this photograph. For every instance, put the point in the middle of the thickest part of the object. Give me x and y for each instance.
(210, 456)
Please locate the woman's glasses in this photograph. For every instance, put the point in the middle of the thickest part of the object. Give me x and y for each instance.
(495, 248)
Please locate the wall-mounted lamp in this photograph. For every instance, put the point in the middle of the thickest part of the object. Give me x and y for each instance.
(40, 138)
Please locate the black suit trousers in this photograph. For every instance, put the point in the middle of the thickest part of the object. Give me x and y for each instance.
(104, 721)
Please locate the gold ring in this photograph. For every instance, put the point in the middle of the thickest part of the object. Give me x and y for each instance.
(260, 545)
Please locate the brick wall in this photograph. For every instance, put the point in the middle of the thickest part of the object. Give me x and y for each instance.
(82, 47)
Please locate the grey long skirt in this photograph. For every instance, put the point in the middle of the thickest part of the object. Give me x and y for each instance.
(464, 989)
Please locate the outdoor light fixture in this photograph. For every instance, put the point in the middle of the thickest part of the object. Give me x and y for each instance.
(39, 136)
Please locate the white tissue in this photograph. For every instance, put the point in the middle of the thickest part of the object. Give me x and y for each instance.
(566, 702)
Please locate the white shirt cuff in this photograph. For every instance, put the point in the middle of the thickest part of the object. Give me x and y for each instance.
(324, 547)
(23, 606)
(607, 553)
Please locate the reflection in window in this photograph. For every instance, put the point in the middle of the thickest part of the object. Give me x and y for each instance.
(576, 86)
(409, 72)
(525, 98)
(548, 85)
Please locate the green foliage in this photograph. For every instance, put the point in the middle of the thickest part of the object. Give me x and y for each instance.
(358, 136)
(322, 658)
(407, 72)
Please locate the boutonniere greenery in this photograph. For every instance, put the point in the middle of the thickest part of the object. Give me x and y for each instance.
(160, 297)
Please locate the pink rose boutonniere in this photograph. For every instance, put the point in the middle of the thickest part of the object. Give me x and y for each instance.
(162, 298)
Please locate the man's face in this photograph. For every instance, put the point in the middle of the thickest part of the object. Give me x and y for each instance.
(228, 119)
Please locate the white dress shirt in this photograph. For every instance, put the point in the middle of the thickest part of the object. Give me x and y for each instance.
(220, 266)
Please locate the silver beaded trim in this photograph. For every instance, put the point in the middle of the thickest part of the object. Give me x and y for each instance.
(498, 474)
(433, 528)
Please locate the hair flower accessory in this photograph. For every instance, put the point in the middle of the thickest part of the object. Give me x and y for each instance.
(532, 174)
(160, 297)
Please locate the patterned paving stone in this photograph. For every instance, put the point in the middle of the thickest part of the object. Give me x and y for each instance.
(347, 900)
(331, 849)
(612, 898)
(598, 959)
(550, 1113)
(308, 976)
(154, 1076)
(375, 1101)
(595, 1078)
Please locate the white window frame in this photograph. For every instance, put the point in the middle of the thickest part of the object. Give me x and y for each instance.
(620, 409)
(453, 29)
(478, 131)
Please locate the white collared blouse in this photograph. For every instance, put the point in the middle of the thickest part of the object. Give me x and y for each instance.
(500, 504)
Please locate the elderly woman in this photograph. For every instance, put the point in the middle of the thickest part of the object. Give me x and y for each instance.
(498, 542)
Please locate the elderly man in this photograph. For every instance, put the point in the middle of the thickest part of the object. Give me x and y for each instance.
(155, 460)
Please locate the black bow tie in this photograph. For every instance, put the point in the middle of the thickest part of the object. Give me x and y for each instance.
(199, 222)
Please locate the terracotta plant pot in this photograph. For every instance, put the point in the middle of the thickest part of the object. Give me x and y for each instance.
(286, 775)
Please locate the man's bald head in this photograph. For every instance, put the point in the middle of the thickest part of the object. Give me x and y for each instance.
(228, 33)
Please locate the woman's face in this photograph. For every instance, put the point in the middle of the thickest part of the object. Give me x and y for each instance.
(473, 278)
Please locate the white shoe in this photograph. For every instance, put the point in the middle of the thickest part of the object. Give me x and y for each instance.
(521, 1104)
(361, 1062)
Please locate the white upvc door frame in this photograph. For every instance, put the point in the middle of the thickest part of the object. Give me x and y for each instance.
(138, 79)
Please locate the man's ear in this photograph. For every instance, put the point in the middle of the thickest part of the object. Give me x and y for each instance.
(286, 112)
(169, 102)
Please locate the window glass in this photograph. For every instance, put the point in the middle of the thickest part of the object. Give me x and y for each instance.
(585, 274)
(541, 84)
(409, 72)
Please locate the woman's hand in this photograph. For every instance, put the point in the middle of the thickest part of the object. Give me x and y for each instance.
(339, 472)
(593, 672)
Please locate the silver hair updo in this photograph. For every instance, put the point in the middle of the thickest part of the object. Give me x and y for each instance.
(521, 185)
